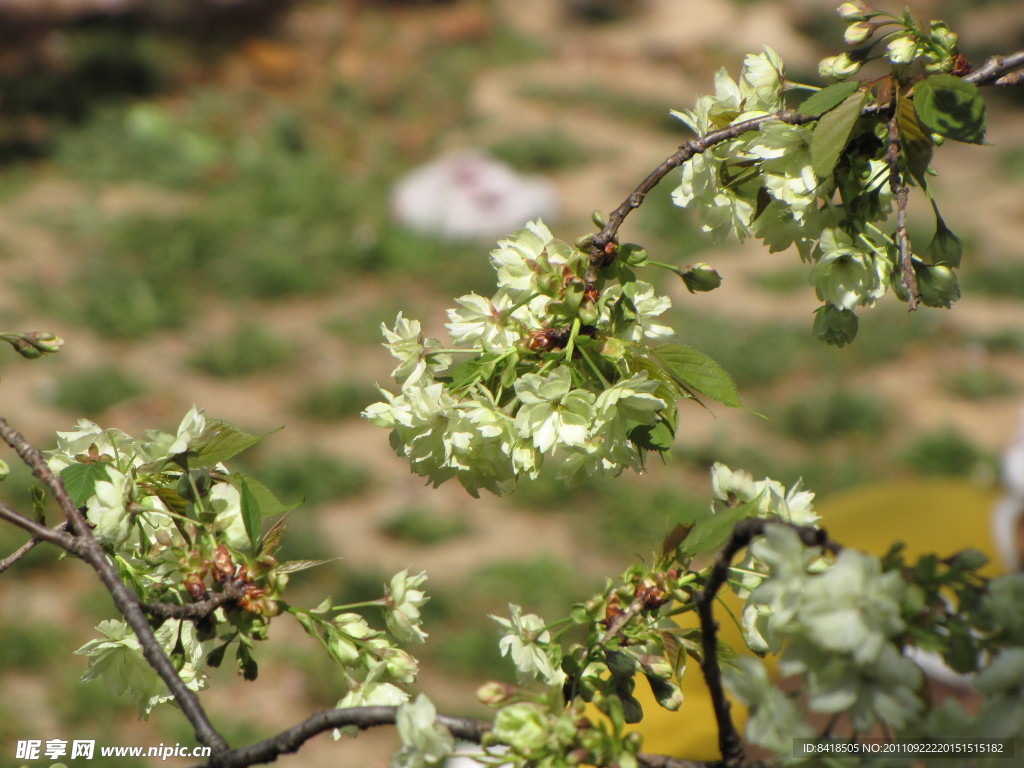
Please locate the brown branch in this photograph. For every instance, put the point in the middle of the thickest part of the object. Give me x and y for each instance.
(745, 531)
(902, 193)
(620, 620)
(998, 70)
(29, 545)
(197, 610)
(126, 601)
(363, 718)
(292, 739)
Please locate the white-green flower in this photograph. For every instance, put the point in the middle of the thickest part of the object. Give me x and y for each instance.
(774, 719)
(161, 445)
(846, 275)
(89, 438)
(761, 82)
(484, 323)
(403, 600)
(530, 260)
(425, 742)
(107, 508)
(117, 659)
(552, 412)
(418, 356)
(529, 645)
(225, 502)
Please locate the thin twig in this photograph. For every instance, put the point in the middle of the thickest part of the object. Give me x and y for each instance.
(293, 738)
(27, 547)
(197, 610)
(997, 71)
(619, 621)
(745, 531)
(127, 602)
(902, 194)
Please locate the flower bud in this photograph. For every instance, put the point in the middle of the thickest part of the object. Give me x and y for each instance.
(859, 31)
(494, 694)
(4, 470)
(902, 50)
(834, 325)
(945, 249)
(854, 11)
(937, 284)
(701, 278)
(944, 36)
(632, 254)
(838, 67)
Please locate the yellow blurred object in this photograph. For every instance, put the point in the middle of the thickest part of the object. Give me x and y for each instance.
(930, 516)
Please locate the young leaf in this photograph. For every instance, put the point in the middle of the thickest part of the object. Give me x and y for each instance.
(218, 443)
(251, 514)
(916, 142)
(828, 98)
(951, 107)
(266, 500)
(694, 370)
(80, 480)
(832, 134)
(714, 530)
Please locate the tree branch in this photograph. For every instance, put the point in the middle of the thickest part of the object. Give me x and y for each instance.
(197, 610)
(902, 194)
(745, 531)
(998, 70)
(292, 739)
(29, 545)
(126, 601)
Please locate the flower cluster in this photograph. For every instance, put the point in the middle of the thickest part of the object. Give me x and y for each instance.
(824, 187)
(840, 628)
(182, 529)
(557, 364)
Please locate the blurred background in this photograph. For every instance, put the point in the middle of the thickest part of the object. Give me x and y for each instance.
(200, 197)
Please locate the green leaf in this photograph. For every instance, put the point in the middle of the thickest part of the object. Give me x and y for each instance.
(672, 540)
(713, 531)
(80, 479)
(828, 98)
(916, 142)
(952, 107)
(832, 134)
(293, 566)
(266, 500)
(694, 370)
(247, 666)
(251, 515)
(470, 371)
(172, 499)
(216, 656)
(218, 443)
(667, 693)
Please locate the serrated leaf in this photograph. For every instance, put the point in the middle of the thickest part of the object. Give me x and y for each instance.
(672, 540)
(832, 134)
(294, 566)
(916, 143)
(266, 499)
(951, 107)
(713, 531)
(80, 479)
(469, 371)
(653, 437)
(219, 442)
(696, 371)
(828, 98)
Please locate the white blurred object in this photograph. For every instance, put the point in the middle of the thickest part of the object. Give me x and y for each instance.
(1006, 517)
(471, 195)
